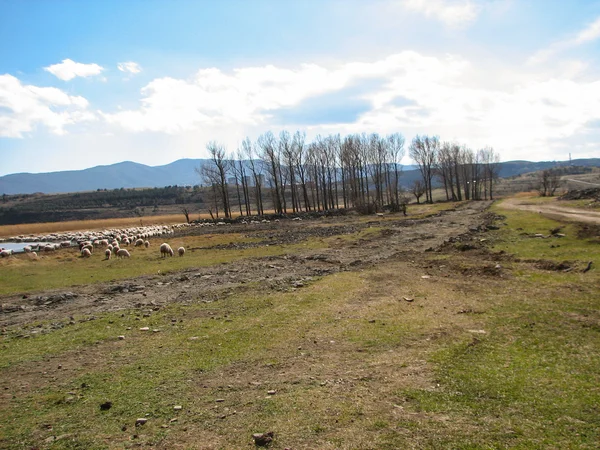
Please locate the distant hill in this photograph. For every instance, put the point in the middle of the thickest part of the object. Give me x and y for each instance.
(182, 173)
(121, 175)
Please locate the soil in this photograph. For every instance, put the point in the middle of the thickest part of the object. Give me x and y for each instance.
(398, 238)
(554, 210)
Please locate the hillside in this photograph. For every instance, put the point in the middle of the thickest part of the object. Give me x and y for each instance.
(182, 173)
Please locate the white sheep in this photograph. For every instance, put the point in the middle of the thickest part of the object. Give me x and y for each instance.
(165, 249)
(90, 247)
(85, 252)
(115, 249)
(5, 253)
(139, 242)
(107, 253)
(181, 251)
(146, 244)
(122, 253)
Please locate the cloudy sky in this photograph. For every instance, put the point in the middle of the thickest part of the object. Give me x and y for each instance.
(85, 83)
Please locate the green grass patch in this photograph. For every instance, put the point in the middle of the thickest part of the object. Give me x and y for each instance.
(66, 268)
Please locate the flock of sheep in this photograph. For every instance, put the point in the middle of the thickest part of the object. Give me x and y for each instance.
(87, 248)
(112, 240)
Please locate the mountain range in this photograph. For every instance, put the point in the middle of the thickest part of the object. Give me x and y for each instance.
(183, 173)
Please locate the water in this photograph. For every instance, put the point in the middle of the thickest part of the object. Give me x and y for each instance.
(17, 247)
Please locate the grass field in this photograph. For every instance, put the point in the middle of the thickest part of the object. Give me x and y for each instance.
(509, 359)
(100, 224)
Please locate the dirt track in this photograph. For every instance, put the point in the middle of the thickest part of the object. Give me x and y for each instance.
(398, 238)
(554, 210)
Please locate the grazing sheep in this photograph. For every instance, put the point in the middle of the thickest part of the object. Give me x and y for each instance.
(139, 242)
(165, 249)
(115, 249)
(5, 253)
(27, 249)
(107, 253)
(109, 247)
(181, 251)
(122, 253)
(90, 247)
(85, 252)
(146, 244)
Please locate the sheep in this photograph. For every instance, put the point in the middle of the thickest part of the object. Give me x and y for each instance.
(5, 253)
(109, 247)
(115, 249)
(90, 247)
(27, 249)
(165, 249)
(107, 253)
(139, 242)
(146, 244)
(122, 253)
(181, 251)
(85, 253)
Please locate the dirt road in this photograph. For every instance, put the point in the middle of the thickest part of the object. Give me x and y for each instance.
(553, 210)
(393, 238)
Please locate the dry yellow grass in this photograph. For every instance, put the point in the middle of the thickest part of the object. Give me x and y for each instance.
(79, 225)
(75, 225)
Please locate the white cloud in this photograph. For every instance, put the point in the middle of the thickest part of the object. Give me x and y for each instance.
(129, 67)
(22, 107)
(453, 13)
(413, 93)
(590, 33)
(69, 69)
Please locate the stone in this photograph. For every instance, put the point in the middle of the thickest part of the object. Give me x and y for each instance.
(121, 337)
(220, 400)
(178, 408)
(144, 328)
(263, 439)
(141, 421)
(407, 299)
(272, 392)
(105, 406)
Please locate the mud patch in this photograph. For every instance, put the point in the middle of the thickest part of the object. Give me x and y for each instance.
(565, 266)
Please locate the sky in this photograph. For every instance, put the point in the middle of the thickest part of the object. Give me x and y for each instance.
(86, 83)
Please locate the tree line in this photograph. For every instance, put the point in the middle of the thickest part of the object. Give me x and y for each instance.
(361, 171)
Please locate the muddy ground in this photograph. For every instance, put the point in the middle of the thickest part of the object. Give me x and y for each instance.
(398, 238)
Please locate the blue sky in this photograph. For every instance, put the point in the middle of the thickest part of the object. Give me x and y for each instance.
(86, 83)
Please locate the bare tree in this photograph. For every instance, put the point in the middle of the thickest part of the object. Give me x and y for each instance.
(423, 150)
(218, 173)
(270, 156)
(396, 151)
(256, 168)
(186, 213)
(418, 189)
(549, 181)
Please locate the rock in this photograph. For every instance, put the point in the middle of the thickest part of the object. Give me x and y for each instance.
(263, 439)
(105, 406)
(220, 400)
(407, 299)
(178, 408)
(121, 337)
(140, 421)
(272, 392)
(425, 276)
(477, 331)
(144, 328)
